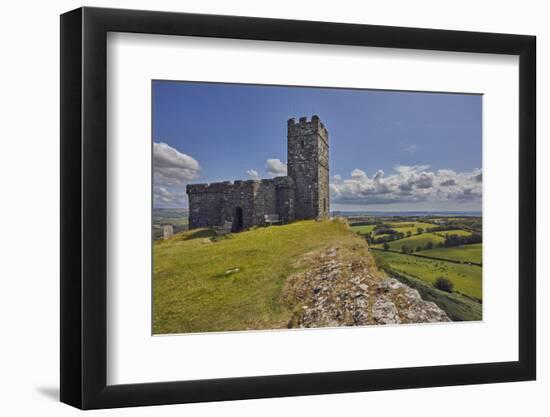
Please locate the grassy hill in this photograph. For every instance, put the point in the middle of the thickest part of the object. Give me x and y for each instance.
(235, 283)
(466, 278)
(463, 304)
(364, 229)
(458, 232)
(404, 227)
(465, 253)
(414, 241)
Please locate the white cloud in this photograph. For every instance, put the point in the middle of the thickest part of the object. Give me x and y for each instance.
(446, 173)
(172, 170)
(478, 177)
(379, 175)
(406, 169)
(424, 180)
(448, 182)
(408, 184)
(358, 174)
(171, 167)
(275, 167)
(253, 174)
(166, 197)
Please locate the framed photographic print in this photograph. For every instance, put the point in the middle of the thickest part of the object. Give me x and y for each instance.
(258, 208)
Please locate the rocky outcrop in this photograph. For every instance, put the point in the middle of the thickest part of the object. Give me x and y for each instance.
(339, 291)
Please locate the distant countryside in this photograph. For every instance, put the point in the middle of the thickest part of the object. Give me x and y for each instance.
(420, 250)
(175, 217)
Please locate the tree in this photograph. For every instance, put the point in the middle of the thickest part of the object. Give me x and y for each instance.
(419, 231)
(404, 249)
(444, 284)
(419, 248)
(430, 245)
(409, 233)
(386, 246)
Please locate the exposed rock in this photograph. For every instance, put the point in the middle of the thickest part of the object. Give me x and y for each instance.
(384, 311)
(334, 293)
(412, 307)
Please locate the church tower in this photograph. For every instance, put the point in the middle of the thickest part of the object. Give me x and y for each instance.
(308, 167)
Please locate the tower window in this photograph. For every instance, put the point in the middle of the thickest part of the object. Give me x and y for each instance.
(303, 143)
(324, 205)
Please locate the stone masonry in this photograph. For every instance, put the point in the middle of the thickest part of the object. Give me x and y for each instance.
(303, 194)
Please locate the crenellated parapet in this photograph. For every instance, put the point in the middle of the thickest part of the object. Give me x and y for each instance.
(220, 187)
(306, 128)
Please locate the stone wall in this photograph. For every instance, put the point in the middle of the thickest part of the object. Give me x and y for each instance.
(307, 158)
(205, 205)
(265, 200)
(214, 204)
(286, 199)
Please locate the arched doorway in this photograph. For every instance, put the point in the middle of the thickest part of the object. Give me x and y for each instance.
(237, 224)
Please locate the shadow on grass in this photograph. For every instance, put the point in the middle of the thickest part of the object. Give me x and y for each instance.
(199, 234)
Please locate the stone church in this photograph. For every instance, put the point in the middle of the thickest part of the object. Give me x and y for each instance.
(302, 194)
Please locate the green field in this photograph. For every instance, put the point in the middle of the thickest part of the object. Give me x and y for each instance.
(413, 242)
(465, 253)
(404, 227)
(178, 218)
(194, 292)
(464, 303)
(458, 232)
(467, 279)
(457, 307)
(364, 230)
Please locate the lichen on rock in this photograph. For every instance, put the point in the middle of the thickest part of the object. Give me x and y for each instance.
(340, 289)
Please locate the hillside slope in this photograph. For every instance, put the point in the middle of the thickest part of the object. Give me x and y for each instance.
(267, 278)
(342, 289)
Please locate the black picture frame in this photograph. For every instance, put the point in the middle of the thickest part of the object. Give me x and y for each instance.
(84, 207)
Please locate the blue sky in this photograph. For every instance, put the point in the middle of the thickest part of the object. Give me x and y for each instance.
(388, 150)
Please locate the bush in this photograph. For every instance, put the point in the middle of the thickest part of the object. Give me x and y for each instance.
(444, 284)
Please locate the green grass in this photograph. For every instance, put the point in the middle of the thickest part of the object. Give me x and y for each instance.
(175, 217)
(193, 293)
(413, 242)
(364, 230)
(467, 279)
(457, 307)
(458, 232)
(404, 227)
(466, 253)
